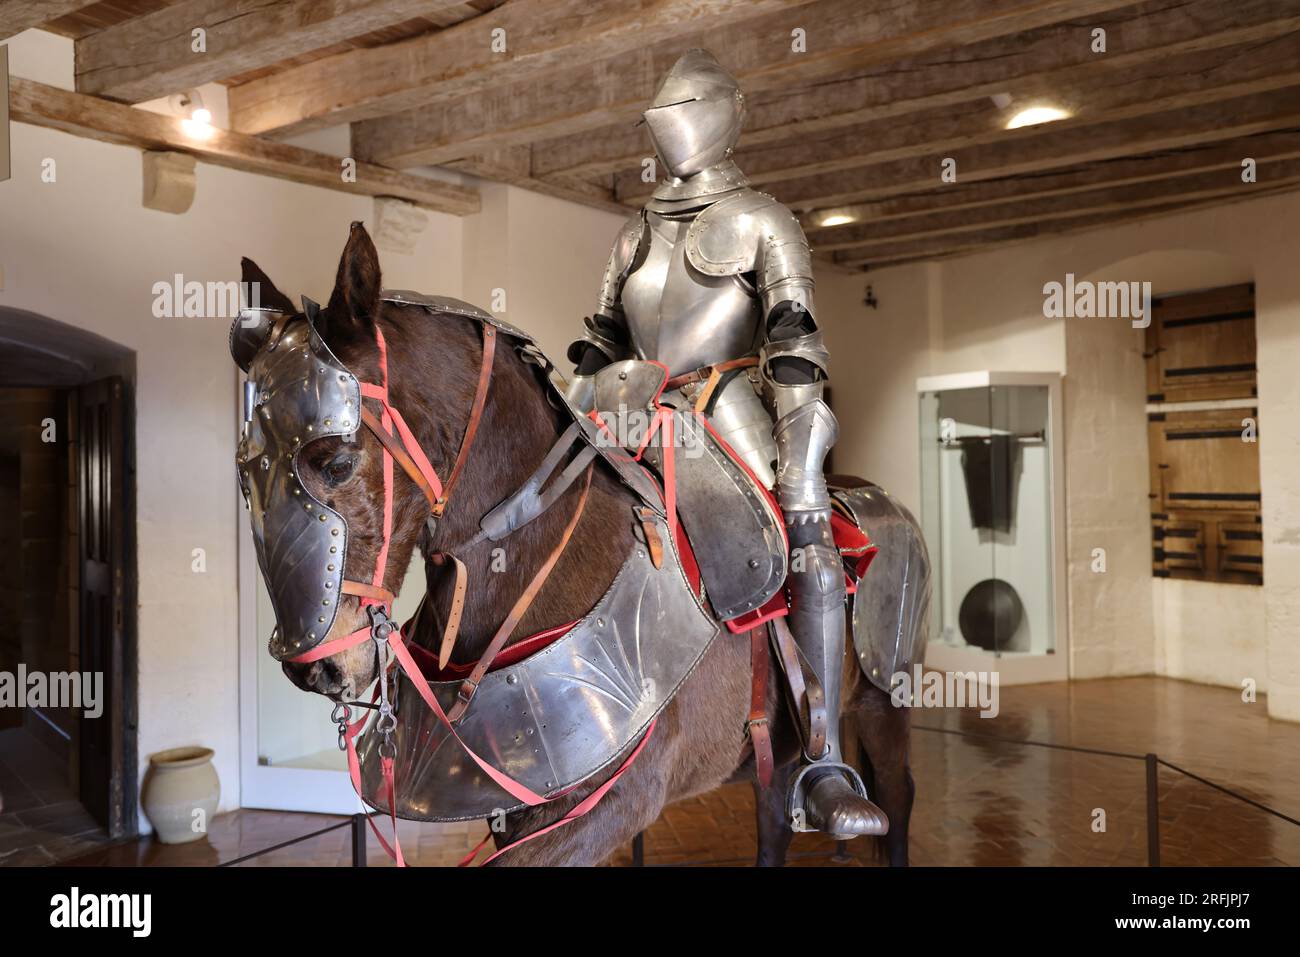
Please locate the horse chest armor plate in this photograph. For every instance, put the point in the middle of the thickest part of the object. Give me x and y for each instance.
(559, 716)
(680, 316)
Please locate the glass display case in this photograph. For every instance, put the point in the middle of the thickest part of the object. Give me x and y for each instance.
(992, 512)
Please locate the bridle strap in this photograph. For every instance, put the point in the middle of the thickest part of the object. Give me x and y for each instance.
(394, 448)
(521, 606)
(452, 628)
(475, 415)
(376, 593)
(404, 449)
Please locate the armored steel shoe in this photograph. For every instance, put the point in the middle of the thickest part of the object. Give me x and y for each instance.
(835, 807)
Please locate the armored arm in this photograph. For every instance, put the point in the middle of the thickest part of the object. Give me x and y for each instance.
(793, 365)
(605, 338)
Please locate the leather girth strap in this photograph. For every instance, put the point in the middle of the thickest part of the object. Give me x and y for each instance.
(808, 700)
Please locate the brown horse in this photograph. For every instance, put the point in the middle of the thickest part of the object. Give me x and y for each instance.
(433, 361)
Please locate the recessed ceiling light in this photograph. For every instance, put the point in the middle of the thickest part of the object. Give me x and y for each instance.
(1035, 115)
(837, 219)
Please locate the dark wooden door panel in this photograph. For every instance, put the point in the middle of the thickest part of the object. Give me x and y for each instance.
(106, 778)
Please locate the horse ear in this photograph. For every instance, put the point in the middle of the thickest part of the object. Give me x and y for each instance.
(357, 286)
(260, 291)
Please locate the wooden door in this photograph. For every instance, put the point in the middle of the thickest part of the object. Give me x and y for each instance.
(107, 743)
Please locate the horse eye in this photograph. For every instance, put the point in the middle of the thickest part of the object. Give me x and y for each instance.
(339, 469)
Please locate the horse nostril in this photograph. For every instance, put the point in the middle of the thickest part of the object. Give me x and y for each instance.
(332, 677)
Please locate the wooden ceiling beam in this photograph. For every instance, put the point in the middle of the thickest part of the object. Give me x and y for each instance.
(513, 165)
(152, 56)
(1020, 66)
(109, 122)
(948, 245)
(615, 90)
(1163, 86)
(863, 218)
(15, 17)
(1049, 149)
(953, 223)
(539, 36)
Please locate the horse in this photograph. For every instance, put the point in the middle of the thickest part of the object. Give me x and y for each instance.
(432, 367)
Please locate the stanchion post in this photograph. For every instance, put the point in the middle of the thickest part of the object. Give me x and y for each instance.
(1153, 811)
(358, 840)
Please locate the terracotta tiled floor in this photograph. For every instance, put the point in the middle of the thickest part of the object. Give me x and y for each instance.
(980, 800)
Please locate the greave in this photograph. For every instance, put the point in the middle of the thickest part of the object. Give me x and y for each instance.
(829, 793)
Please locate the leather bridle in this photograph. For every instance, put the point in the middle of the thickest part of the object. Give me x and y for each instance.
(404, 449)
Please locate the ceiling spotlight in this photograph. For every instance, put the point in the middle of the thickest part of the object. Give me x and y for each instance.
(196, 119)
(1035, 115)
(837, 219)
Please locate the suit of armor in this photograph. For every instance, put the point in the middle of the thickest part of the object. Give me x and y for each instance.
(708, 272)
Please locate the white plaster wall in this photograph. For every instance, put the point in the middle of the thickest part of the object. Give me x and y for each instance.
(1111, 627)
(876, 356)
(545, 255)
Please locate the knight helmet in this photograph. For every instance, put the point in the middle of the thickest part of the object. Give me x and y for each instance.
(694, 119)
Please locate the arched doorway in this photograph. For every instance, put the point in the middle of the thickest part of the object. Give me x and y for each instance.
(67, 592)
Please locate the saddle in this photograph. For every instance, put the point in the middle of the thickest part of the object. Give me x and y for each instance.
(734, 526)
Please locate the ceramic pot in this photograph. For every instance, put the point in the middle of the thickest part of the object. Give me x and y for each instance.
(182, 783)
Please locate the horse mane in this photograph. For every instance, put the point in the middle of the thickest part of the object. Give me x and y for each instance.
(433, 360)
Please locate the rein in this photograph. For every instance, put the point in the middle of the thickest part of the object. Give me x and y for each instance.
(404, 449)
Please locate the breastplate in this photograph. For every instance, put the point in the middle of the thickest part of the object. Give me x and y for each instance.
(681, 317)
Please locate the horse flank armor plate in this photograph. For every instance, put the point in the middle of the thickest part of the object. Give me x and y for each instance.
(891, 619)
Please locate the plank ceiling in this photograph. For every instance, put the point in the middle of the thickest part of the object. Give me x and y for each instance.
(854, 131)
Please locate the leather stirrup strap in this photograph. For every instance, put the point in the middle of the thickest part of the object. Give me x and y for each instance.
(807, 693)
(475, 416)
(760, 732)
(522, 604)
